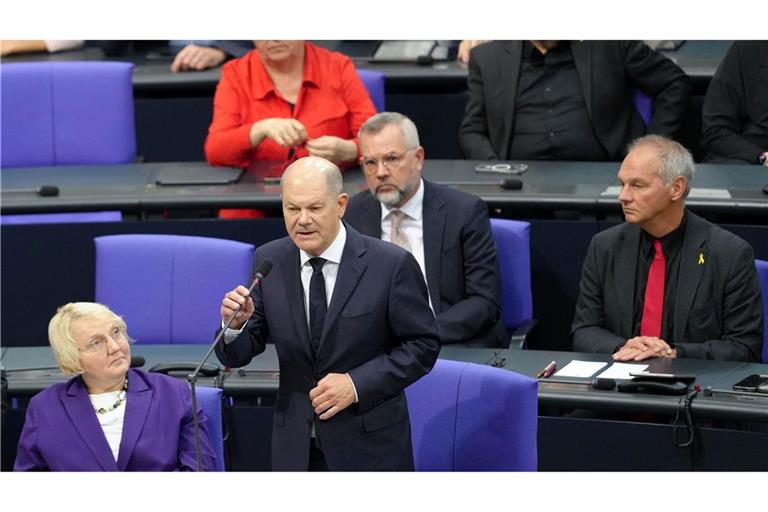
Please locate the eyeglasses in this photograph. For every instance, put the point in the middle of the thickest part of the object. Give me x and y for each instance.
(100, 343)
(390, 161)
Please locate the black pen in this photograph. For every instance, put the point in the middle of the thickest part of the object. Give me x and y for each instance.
(547, 370)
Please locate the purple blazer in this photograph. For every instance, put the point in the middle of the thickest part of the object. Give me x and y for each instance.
(62, 432)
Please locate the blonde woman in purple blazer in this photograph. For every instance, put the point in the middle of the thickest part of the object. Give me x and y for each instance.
(109, 417)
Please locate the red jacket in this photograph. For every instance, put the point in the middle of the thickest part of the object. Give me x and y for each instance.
(332, 101)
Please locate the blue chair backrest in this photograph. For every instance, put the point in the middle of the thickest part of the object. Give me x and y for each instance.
(168, 288)
(644, 106)
(762, 275)
(470, 417)
(61, 218)
(374, 82)
(513, 247)
(209, 400)
(66, 113)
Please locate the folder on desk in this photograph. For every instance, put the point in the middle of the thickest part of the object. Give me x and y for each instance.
(197, 175)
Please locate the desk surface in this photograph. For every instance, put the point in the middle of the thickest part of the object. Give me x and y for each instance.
(261, 377)
(546, 185)
(699, 59)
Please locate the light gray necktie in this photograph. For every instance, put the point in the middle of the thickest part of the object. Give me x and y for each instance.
(396, 235)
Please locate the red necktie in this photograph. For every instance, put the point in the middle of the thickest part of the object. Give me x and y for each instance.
(653, 306)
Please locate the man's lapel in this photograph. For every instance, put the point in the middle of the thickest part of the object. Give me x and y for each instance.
(582, 59)
(693, 259)
(351, 269)
(626, 275)
(295, 295)
(433, 222)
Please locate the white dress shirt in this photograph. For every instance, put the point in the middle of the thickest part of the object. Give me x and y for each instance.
(412, 227)
(332, 256)
(112, 421)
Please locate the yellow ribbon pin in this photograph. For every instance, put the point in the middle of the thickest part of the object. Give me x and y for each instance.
(701, 258)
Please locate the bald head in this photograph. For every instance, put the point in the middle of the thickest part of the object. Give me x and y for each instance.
(314, 168)
(313, 203)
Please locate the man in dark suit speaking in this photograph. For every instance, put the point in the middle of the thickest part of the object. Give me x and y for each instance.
(666, 283)
(446, 230)
(351, 323)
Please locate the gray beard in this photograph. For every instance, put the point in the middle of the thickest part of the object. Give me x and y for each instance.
(389, 198)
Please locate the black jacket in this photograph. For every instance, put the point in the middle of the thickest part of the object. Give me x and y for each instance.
(718, 308)
(609, 72)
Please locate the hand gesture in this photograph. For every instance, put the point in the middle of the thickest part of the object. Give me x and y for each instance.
(231, 302)
(335, 149)
(286, 132)
(333, 394)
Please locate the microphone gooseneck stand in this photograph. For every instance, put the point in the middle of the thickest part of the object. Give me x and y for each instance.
(261, 273)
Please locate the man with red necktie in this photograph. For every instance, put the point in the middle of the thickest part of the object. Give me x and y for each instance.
(666, 283)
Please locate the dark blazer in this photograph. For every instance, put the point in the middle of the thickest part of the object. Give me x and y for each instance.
(735, 112)
(460, 260)
(718, 309)
(608, 73)
(62, 432)
(378, 328)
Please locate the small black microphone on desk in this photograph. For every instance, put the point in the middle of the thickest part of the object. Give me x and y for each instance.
(424, 60)
(261, 273)
(43, 191)
(511, 184)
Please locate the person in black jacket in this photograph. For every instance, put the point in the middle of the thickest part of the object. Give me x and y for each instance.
(667, 283)
(735, 116)
(567, 100)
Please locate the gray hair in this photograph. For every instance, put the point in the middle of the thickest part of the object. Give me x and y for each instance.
(674, 159)
(333, 179)
(381, 120)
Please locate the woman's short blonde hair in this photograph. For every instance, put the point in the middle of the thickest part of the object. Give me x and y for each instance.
(64, 346)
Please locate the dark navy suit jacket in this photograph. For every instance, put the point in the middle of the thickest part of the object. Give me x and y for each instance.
(378, 328)
(62, 432)
(460, 260)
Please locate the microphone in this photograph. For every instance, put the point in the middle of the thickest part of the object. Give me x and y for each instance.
(425, 60)
(43, 191)
(511, 184)
(137, 361)
(261, 273)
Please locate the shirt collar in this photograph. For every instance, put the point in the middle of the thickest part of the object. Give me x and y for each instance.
(670, 243)
(412, 208)
(265, 86)
(333, 252)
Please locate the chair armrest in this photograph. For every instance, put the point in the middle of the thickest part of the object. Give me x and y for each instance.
(518, 338)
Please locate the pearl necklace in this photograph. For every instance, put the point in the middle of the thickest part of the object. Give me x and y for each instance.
(118, 403)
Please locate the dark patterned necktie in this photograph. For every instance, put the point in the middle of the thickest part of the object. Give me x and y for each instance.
(317, 302)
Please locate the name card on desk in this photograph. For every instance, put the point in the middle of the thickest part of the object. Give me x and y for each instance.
(701, 193)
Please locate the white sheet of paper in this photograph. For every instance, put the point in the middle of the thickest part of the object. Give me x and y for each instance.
(579, 369)
(622, 371)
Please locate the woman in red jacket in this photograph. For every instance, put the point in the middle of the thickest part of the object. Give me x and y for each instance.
(286, 100)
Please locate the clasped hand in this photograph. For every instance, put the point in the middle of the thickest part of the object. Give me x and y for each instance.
(644, 347)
